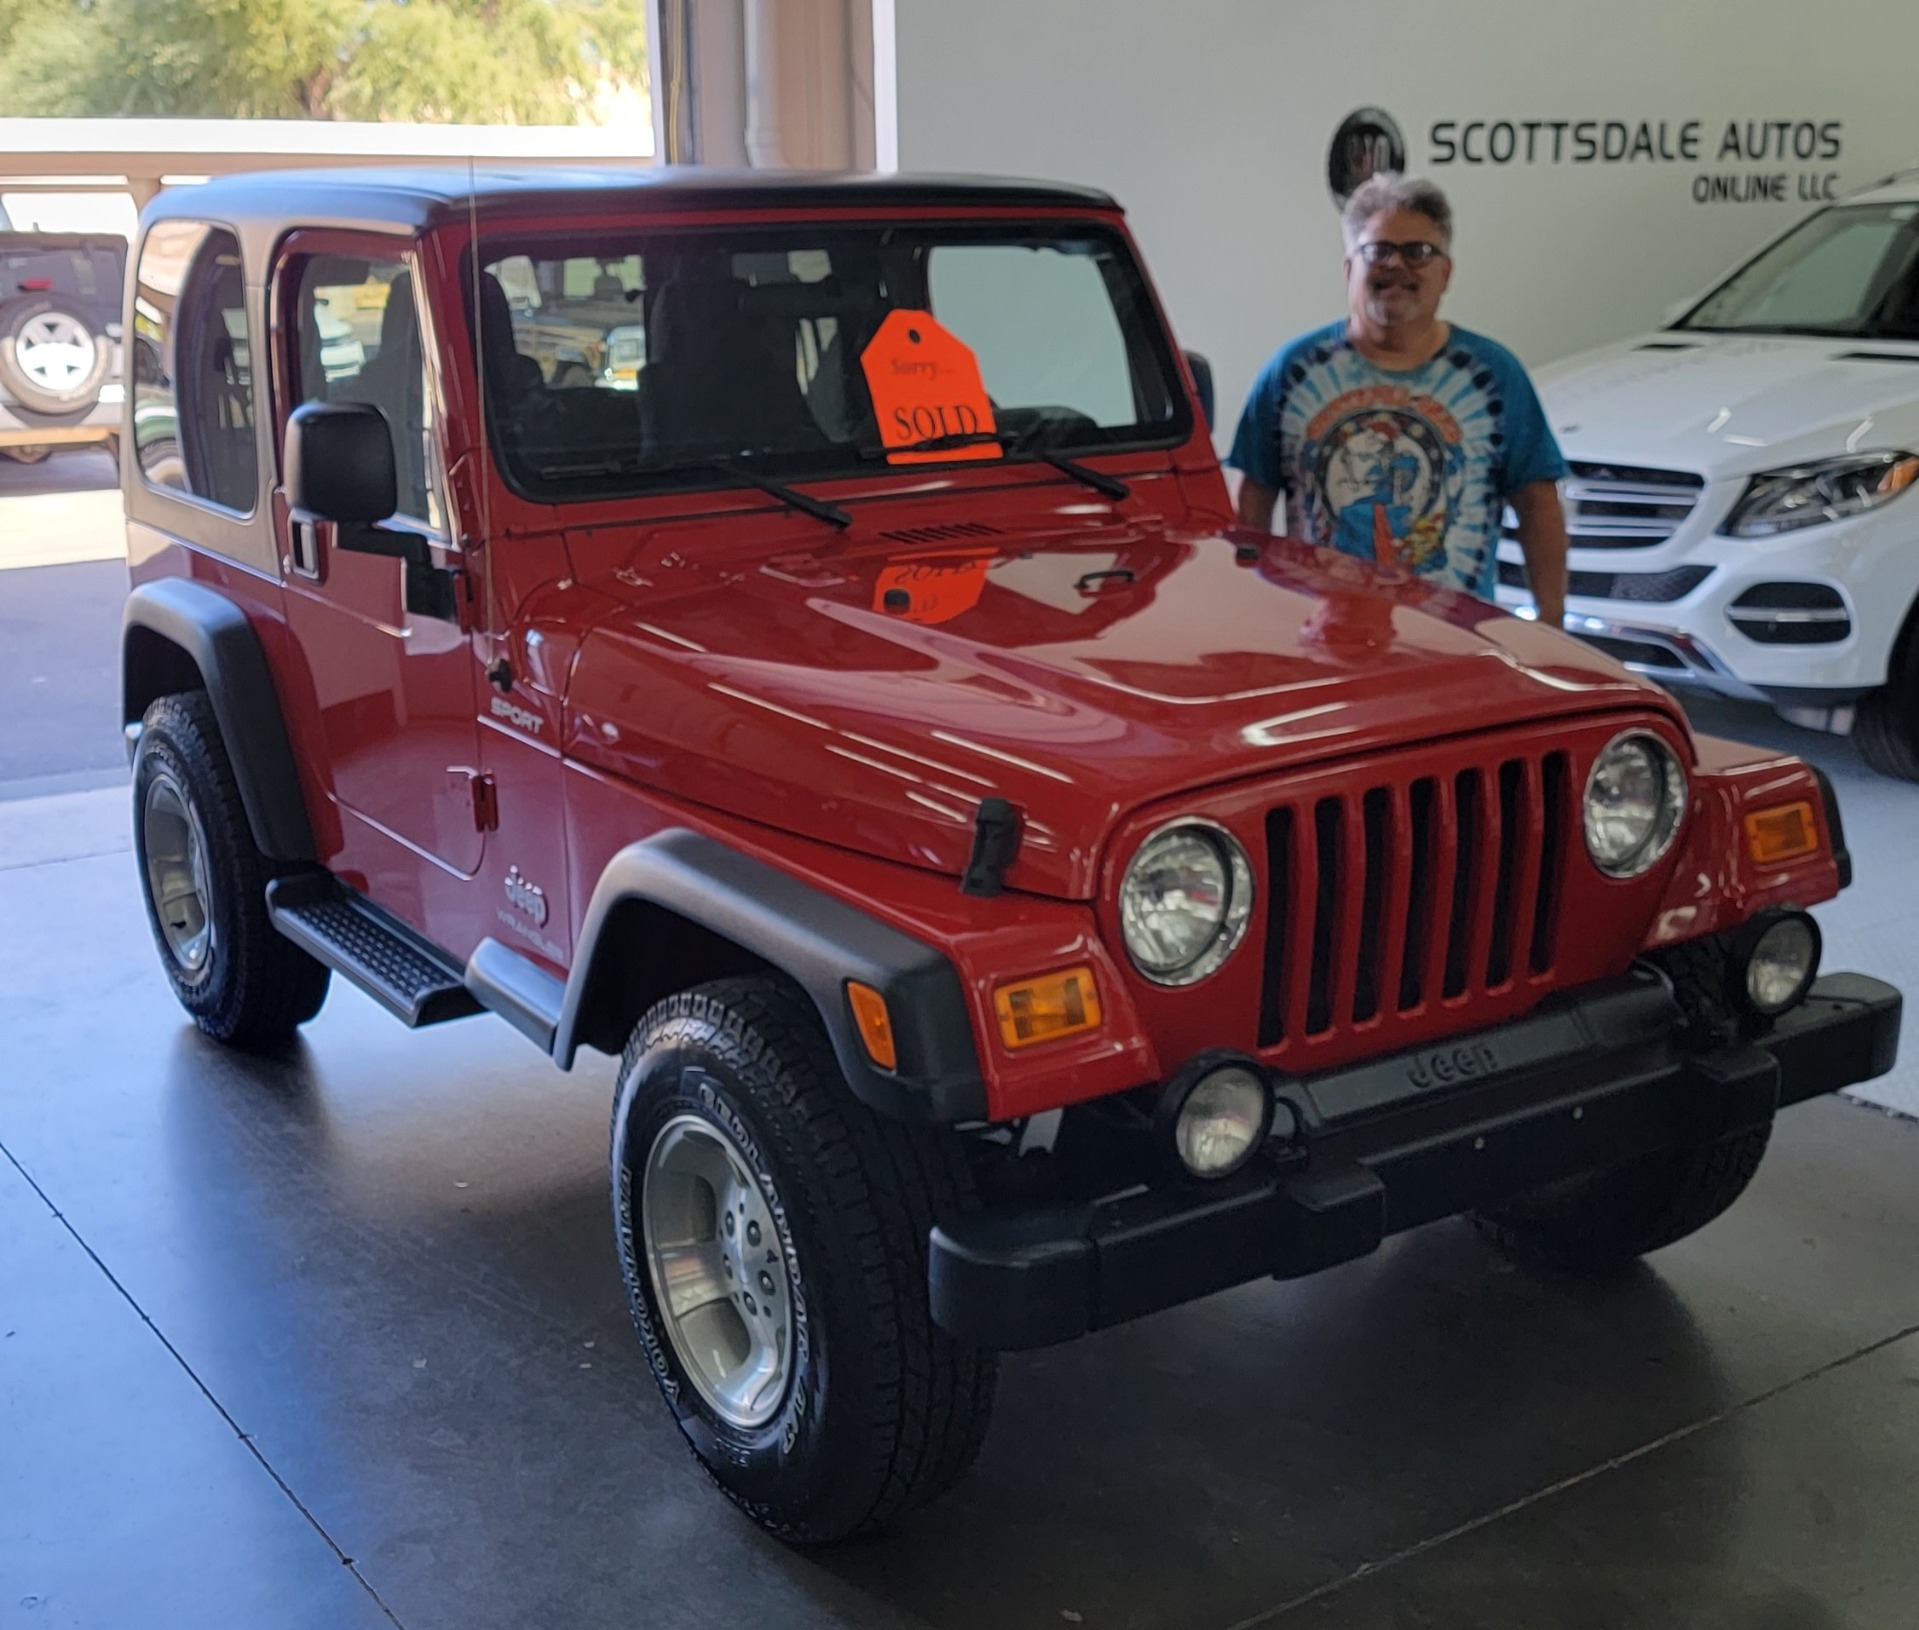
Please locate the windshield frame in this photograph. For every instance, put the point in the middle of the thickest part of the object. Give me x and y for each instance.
(1136, 312)
(1860, 330)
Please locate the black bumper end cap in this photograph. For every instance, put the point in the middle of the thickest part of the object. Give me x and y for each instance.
(1007, 1282)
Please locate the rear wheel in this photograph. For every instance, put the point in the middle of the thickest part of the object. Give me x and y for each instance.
(773, 1235)
(241, 980)
(1601, 1222)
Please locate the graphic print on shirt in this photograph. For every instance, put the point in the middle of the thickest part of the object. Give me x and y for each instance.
(1396, 473)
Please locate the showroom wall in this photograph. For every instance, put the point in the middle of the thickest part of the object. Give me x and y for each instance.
(1605, 160)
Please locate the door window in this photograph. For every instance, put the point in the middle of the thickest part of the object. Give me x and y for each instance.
(192, 371)
(357, 330)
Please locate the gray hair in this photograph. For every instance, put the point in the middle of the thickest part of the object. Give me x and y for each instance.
(1391, 190)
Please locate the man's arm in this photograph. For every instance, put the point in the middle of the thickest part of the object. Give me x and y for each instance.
(1542, 536)
(1256, 505)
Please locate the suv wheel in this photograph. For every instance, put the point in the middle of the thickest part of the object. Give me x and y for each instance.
(1601, 1222)
(50, 358)
(242, 981)
(773, 1235)
(1886, 727)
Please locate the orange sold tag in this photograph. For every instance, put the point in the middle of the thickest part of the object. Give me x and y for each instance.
(925, 383)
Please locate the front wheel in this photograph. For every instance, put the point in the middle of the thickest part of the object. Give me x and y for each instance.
(1601, 1222)
(773, 1235)
(1886, 727)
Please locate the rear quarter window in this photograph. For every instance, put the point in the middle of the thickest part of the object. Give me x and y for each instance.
(192, 367)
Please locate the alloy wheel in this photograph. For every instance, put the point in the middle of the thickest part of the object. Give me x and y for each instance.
(719, 1271)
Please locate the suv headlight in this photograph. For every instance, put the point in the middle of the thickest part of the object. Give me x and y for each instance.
(1635, 800)
(1185, 901)
(1813, 494)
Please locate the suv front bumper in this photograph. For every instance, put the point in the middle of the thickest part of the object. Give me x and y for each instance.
(1574, 1088)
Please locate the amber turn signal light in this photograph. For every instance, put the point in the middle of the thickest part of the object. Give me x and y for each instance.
(1784, 833)
(874, 1022)
(1055, 1004)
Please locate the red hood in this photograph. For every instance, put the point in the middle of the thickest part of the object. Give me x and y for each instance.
(870, 701)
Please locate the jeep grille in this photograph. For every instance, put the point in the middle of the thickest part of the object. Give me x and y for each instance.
(1386, 899)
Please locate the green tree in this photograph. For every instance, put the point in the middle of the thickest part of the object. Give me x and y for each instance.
(477, 61)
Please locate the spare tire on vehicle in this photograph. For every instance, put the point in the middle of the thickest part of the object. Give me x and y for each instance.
(50, 358)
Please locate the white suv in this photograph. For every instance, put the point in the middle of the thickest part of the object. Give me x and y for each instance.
(1736, 501)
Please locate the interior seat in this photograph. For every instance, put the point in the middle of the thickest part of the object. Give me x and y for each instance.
(720, 376)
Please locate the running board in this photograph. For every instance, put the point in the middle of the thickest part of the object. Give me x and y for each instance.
(403, 971)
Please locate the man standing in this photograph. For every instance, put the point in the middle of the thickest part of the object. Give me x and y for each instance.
(1400, 438)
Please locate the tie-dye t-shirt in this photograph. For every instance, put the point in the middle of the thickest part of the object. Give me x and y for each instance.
(1409, 467)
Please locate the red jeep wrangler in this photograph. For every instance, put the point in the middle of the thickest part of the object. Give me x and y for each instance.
(1020, 901)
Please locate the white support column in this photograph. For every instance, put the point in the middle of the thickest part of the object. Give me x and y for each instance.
(778, 84)
(886, 90)
(698, 57)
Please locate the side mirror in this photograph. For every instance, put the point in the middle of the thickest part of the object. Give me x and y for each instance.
(1203, 383)
(339, 458)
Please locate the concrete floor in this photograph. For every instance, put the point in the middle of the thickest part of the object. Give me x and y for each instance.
(338, 1340)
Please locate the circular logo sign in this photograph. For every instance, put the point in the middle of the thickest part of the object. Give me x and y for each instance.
(1365, 143)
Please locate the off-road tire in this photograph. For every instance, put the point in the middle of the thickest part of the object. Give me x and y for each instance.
(1886, 726)
(1599, 1223)
(22, 318)
(256, 987)
(883, 1411)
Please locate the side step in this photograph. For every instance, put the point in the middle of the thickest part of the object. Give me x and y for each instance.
(401, 970)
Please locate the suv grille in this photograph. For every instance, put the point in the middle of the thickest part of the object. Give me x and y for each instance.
(1389, 898)
(1623, 506)
(1648, 588)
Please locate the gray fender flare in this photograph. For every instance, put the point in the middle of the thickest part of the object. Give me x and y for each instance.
(818, 941)
(220, 642)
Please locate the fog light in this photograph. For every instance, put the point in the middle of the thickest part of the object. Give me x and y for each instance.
(1782, 959)
(1220, 1120)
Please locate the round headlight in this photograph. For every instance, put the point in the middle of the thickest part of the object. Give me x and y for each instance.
(1222, 1121)
(1635, 800)
(1185, 901)
(1782, 962)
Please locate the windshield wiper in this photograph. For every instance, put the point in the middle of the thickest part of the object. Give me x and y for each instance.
(639, 464)
(792, 497)
(1020, 445)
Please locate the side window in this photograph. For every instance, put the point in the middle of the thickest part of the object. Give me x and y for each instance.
(357, 333)
(192, 368)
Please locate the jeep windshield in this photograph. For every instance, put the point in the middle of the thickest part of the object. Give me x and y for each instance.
(1851, 271)
(621, 363)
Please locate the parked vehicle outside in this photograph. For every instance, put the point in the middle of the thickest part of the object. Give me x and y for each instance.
(1019, 900)
(1737, 507)
(60, 341)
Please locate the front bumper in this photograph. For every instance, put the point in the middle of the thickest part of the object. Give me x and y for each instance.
(1389, 1144)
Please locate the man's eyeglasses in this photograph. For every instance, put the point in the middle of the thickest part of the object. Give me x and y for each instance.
(1381, 253)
